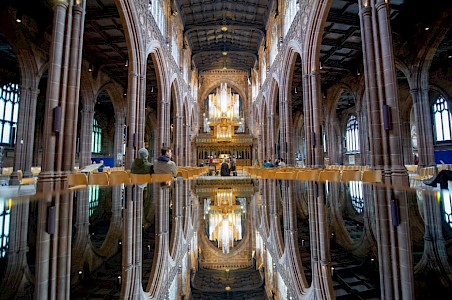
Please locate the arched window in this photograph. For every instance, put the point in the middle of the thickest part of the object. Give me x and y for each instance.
(274, 43)
(9, 108)
(441, 117)
(155, 7)
(96, 146)
(289, 14)
(352, 135)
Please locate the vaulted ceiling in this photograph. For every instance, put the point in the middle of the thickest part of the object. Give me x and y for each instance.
(224, 34)
(228, 34)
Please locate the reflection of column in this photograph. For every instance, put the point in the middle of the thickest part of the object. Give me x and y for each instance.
(81, 225)
(17, 270)
(320, 244)
(434, 258)
(298, 285)
(132, 244)
(86, 132)
(53, 249)
(158, 285)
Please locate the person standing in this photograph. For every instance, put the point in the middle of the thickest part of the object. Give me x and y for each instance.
(141, 165)
(225, 168)
(164, 164)
(232, 163)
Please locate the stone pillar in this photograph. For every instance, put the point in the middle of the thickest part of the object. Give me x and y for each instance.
(179, 127)
(86, 132)
(61, 107)
(423, 117)
(119, 140)
(23, 152)
(382, 92)
(70, 117)
(313, 118)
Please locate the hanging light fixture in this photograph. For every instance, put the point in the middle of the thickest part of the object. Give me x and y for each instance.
(90, 68)
(127, 63)
(19, 15)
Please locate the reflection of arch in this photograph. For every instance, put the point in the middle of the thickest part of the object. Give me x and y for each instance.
(240, 253)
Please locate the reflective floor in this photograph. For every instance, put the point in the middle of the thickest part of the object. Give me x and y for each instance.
(226, 238)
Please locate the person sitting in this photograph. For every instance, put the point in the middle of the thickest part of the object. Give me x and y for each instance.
(141, 165)
(267, 164)
(282, 163)
(442, 178)
(164, 164)
(201, 164)
(225, 168)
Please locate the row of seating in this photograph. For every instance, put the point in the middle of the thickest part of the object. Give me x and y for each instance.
(113, 178)
(7, 171)
(125, 177)
(316, 174)
(191, 172)
(347, 167)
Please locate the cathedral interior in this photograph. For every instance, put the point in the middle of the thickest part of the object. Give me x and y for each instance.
(329, 115)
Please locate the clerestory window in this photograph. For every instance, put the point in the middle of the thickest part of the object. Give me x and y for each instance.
(441, 116)
(9, 108)
(96, 146)
(352, 135)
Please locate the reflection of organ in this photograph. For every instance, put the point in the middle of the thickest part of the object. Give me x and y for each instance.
(225, 220)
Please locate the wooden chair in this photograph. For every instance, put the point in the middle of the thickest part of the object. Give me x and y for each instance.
(118, 177)
(7, 171)
(308, 174)
(330, 175)
(373, 176)
(25, 181)
(350, 175)
(139, 178)
(161, 177)
(35, 171)
(285, 175)
(77, 180)
(99, 178)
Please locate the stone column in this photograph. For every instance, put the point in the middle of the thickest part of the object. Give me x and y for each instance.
(119, 140)
(313, 118)
(67, 143)
(23, 154)
(86, 132)
(382, 92)
(423, 117)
